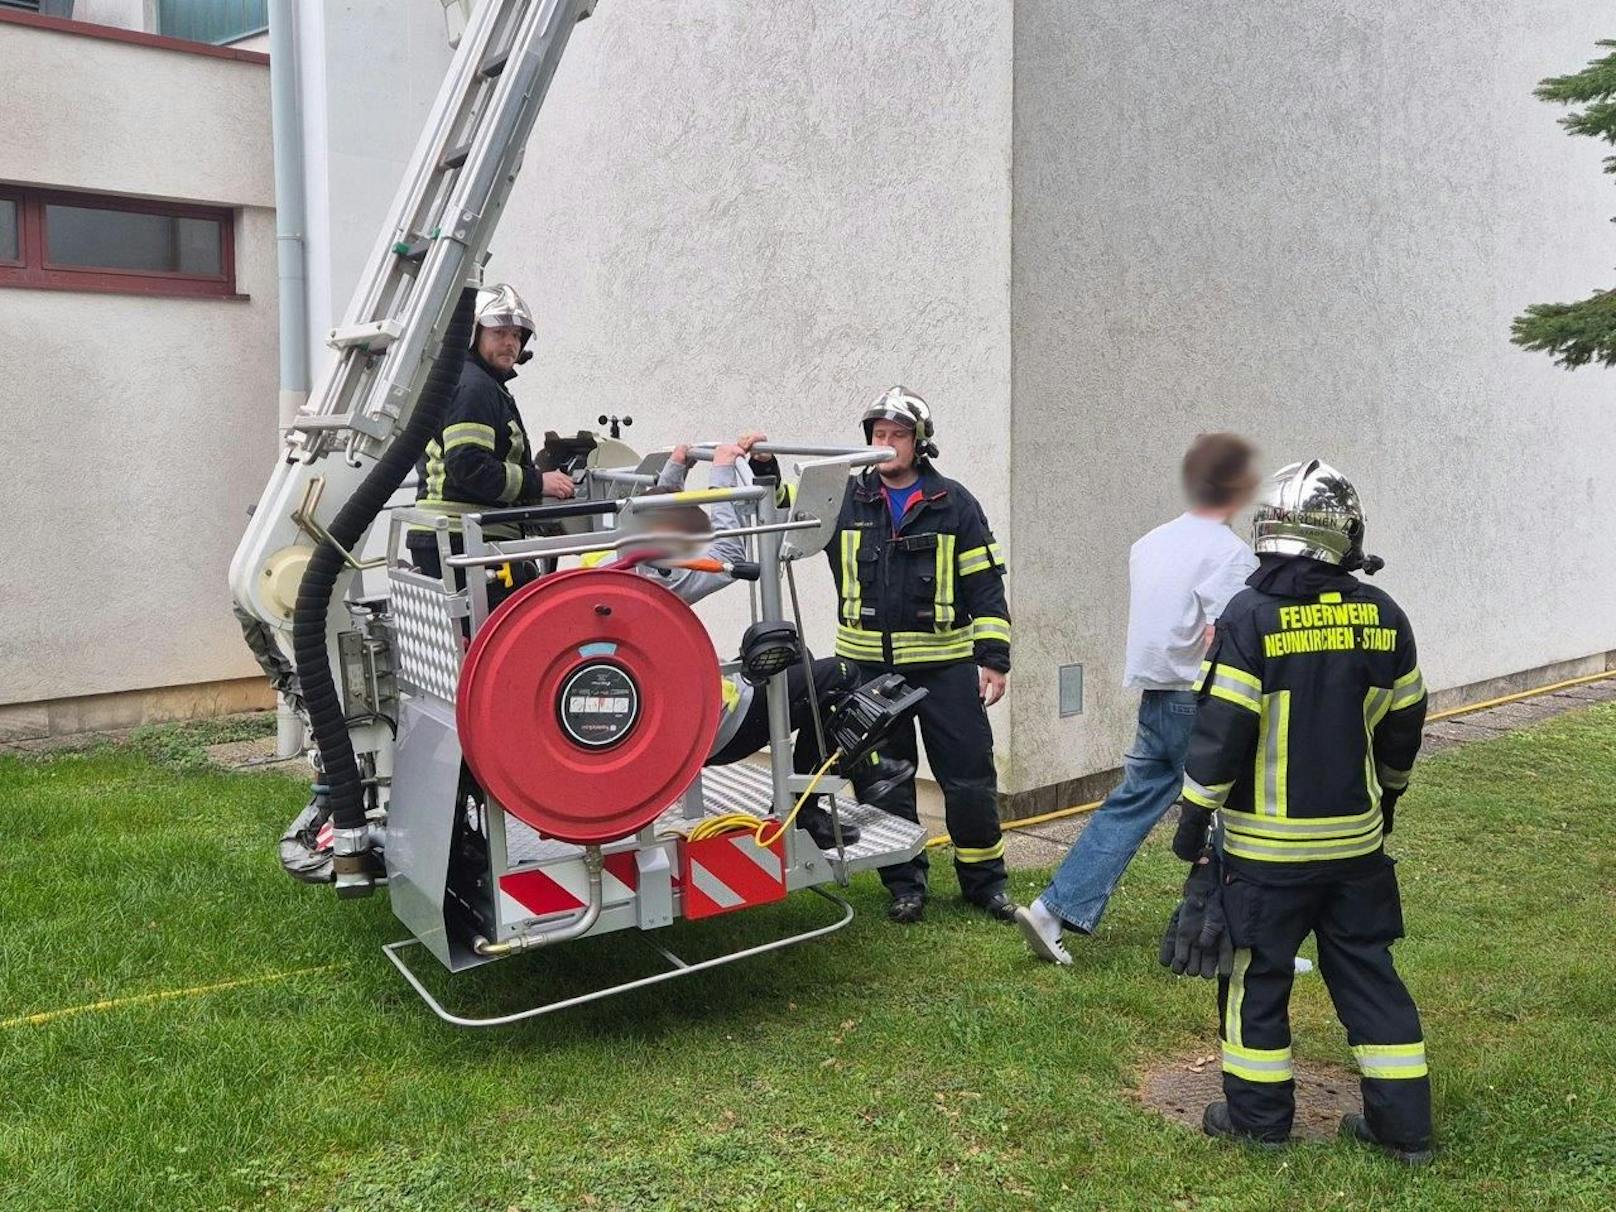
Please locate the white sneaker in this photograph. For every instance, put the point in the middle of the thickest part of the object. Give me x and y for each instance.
(1042, 930)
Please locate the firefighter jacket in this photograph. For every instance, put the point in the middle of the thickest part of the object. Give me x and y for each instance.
(931, 593)
(480, 458)
(1311, 704)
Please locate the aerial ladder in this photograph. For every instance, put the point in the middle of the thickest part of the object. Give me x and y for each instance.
(433, 244)
(418, 740)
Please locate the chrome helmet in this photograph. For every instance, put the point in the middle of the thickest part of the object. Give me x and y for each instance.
(499, 306)
(1310, 509)
(906, 408)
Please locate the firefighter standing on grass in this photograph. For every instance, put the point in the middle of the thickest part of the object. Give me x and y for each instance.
(921, 587)
(1310, 710)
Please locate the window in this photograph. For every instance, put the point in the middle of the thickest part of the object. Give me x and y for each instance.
(68, 241)
(215, 21)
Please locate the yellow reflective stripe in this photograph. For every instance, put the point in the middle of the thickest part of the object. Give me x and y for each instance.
(518, 444)
(1408, 689)
(1233, 685)
(981, 559)
(987, 627)
(513, 483)
(1391, 778)
(1239, 675)
(852, 591)
(1207, 797)
(468, 433)
(1329, 597)
(434, 470)
(1391, 1061)
(1273, 754)
(728, 690)
(1233, 1033)
(594, 559)
(1315, 828)
(980, 854)
(908, 647)
(1376, 702)
(1257, 1064)
(943, 596)
(1299, 852)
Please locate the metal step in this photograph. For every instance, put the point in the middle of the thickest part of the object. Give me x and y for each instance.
(884, 839)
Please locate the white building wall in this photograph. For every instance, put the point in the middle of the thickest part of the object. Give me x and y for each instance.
(734, 216)
(1310, 223)
(739, 216)
(141, 427)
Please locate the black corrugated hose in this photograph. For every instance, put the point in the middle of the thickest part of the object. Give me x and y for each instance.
(320, 694)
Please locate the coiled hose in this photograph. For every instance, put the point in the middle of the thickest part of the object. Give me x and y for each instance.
(320, 695)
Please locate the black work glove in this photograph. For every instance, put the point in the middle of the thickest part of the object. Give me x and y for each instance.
(1388, 809)
(1193, 823)
(1197, 940)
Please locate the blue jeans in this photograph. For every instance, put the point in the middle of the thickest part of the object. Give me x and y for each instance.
(1153, 773)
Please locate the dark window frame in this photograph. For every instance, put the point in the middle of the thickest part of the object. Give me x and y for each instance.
(35, 271)
(8, 194)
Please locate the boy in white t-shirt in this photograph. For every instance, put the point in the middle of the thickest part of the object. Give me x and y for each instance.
(1180, 577)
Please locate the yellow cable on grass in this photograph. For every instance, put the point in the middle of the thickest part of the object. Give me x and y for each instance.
(731, 821)
(162, 995)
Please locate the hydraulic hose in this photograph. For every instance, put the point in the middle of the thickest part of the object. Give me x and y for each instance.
(309, 641)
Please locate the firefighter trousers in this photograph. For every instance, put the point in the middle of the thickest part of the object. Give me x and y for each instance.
(1355, 920)
(833, 677)
(959, 744)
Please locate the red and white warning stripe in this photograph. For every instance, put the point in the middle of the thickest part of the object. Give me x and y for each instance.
(729, 872)
(563, 887)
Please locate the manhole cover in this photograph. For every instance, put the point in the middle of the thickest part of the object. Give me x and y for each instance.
(1181, 1088)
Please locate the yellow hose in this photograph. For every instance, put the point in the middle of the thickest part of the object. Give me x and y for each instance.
(731, 821)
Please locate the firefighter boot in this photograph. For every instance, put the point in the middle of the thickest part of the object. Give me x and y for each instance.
(1215, 1121)
(815, 821)
(907, 909)
(1356, 1127)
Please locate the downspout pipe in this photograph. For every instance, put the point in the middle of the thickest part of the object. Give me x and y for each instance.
(286, 131)
(290, 209)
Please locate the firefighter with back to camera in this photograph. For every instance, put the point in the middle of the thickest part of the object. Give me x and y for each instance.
(1309, 716)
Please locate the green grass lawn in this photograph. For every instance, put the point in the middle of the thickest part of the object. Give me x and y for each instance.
(935, 1067)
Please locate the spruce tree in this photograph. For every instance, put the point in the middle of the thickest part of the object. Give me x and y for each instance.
(1585, 331)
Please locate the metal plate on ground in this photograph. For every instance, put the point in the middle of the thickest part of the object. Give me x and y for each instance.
(884, 838)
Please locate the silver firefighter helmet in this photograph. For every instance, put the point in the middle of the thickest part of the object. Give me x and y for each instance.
(906, 408)
(499, 306)
(1310, 509)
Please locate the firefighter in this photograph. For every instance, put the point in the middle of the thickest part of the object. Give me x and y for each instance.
(1309, 712)
(921, 587)
(480, 458)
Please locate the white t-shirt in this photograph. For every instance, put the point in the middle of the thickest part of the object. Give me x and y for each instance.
(1180, 577)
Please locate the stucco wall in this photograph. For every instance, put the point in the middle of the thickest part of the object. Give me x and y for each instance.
(1310, 223)
(739, 215)
(134, 119)
(141, 427)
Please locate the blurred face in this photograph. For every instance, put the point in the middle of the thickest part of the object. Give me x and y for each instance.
(499, 347)
(677, 526)
(901, 439)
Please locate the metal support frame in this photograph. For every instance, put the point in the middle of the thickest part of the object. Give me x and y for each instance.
(679, 968)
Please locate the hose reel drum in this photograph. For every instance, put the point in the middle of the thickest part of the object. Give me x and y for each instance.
(588, 703)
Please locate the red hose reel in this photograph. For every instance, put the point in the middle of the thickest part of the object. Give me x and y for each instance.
(588, 703)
